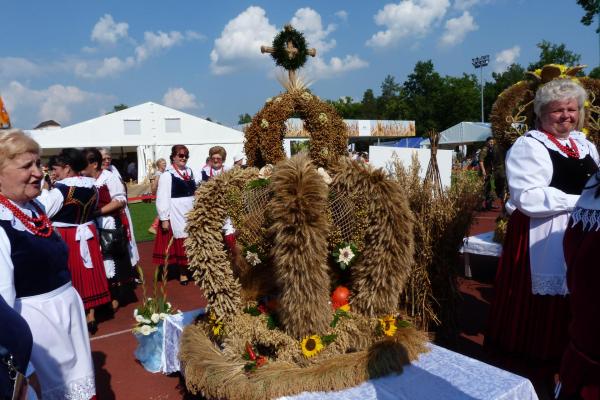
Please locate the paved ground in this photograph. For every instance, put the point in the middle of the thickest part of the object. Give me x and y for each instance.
(119, 375)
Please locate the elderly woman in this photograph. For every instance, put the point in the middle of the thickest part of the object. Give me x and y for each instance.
(35, 276)
(217, 155)
(546, 169)
(580, 368)
(174, 199)
(134, 255)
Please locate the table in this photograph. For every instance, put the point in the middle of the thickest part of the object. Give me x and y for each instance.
(440, 374)
(482, 244)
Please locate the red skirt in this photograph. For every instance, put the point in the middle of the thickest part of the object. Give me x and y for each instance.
(521, 323)
(177, 254)
(580, 365)
(90, 283)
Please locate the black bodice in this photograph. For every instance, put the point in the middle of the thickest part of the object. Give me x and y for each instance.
(78, 205)
(569, 174)
(40, 264)
(181, 188)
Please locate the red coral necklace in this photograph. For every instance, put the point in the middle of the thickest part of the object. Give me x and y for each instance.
(571, 152)
(39, 226)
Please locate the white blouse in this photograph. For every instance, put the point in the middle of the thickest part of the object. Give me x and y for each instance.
(529, 171)
(173, 210)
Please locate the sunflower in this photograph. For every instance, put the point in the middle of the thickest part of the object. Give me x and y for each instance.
(311, 346)
(388, 325)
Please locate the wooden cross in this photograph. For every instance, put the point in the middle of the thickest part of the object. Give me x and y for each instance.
(291, 51)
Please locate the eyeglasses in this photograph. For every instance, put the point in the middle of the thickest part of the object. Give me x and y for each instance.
(217, 159)
(182, 155)
(106, 158)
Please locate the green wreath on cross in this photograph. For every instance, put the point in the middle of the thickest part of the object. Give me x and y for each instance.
(280, 53)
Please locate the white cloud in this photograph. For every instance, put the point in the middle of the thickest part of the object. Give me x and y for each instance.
(308, 21)
(155, 42)
(456, 29)
(107, 31)
(240, 41)
(180, 99)
(56, 102)
(14, 67)
(321, 69)
(342, 14)
(409, 18)
(505, 58)
(465, 4)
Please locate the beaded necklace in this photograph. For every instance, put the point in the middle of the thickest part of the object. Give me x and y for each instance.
(39, 226)
(183, 176)
(571, 152)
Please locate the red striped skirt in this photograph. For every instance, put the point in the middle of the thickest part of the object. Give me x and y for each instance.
(90, 283)
(177, 254)
(521, 323)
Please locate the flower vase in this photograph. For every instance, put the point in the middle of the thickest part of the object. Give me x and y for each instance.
(150, 349)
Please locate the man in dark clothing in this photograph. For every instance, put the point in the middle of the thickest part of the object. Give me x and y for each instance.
(491, 166)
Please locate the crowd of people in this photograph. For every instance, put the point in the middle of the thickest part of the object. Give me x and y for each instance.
(67, 247)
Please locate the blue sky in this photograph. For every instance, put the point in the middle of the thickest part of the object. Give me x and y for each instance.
(73, 60)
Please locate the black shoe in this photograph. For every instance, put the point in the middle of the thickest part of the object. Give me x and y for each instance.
(92, 327)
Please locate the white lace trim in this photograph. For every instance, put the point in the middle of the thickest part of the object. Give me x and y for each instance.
(578, 137)
(79, 389)
(549, 284)
(78, 181)
(589, 218)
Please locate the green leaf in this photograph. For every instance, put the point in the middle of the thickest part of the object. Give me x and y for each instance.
(328, 339)
(403, 324)
(258, 183)
(271, 322)
(336, 319)
(252, 311)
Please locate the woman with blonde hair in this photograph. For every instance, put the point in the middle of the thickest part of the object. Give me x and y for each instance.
(35, 277)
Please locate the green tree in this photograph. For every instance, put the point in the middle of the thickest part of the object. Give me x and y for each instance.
(347, 108)
(551, 53)
(595, 73)
(459, 101)
(369, 105)
(244, 119)
(422, 93)
(591, 8)
(502, 81)
(118, 107)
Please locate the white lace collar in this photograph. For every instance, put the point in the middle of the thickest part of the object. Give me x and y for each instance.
(580, 141)
(102, 178)
(78, 181)
(587, 210)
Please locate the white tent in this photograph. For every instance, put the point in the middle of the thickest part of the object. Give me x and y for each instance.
(150, 129)
(463, 133)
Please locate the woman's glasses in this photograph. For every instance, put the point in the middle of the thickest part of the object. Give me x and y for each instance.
(183, 155)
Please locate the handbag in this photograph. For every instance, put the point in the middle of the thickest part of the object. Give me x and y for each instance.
(17, 381)
(114, 242)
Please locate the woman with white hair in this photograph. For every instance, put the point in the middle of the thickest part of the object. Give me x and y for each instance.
(547, 169)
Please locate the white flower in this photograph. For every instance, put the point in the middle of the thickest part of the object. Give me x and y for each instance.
(135, 313)
(264, 124)
(147, 321)
(146, 330)
(346, 255)
(139, 318)
(155, 318)
(265, 172)
(323, 118)
(252, 258)
(277, 99)
(270, 99)
(306, 96)
(324, 175)
(163, 315)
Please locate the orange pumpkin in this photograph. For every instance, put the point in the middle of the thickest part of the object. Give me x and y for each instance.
(340, 296)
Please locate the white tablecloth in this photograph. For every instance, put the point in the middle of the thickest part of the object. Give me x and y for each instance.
(482, 244)
(440, 374)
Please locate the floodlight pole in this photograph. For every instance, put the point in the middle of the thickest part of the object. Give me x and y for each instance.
(480, 62)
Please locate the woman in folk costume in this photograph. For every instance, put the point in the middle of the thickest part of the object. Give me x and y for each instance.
(580, 367)
(71, 205)
(174, 199)
(217, 156)
(113, 235)
(134, 255)
(35, 278)
(546, 169)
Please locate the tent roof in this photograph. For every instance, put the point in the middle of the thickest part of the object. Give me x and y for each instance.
(145, 124)
(464, 132)
(412, 142)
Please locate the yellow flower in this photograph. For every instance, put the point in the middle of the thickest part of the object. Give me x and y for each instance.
(538, 72)
(388, 325)
(587, 103)
(217, 328)
(345, 307)
(585, 131)
(311, 346)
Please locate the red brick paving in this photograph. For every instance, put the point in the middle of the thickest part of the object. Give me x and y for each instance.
(119, 375)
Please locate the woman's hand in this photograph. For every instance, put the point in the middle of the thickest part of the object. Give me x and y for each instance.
(164, 225)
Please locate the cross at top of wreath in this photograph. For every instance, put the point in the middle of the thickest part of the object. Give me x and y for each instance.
(289, 50)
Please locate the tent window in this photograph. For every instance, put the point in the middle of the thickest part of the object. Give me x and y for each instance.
(172, 125)
(132, 126)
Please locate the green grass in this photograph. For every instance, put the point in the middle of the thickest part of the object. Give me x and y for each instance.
(142, 215)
